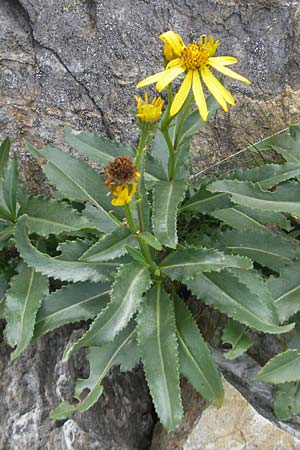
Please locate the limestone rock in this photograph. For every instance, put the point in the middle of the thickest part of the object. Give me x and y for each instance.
(234, 426)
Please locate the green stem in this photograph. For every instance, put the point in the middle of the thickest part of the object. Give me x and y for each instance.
(141, 147)
(167, 119)
(172, 154)
(139, 162)
(182, 119)
(143, 246)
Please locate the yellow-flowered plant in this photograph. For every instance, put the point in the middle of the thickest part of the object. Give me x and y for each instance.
(122, 262)
(194, 61)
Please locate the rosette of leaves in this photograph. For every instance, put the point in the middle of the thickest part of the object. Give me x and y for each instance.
(129, 294)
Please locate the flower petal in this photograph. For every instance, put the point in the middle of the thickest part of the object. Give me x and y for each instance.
(182, 94)
(152, 79)
(168, 77)
(174, 40)
(218, 87)
(230, 73)
(177, 62)
(213, 87)
(223, 60)
(199, 95)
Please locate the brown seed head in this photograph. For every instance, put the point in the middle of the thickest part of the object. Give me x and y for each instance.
(119, 172)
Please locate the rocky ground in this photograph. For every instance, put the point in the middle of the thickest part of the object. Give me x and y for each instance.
(77, 62)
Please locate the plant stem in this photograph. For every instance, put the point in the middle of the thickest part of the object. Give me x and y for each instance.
(182, 119)
(172, 154)
(139, 162)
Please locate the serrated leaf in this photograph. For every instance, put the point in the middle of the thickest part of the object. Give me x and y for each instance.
(287, 400)
(268, 175)
(284, 199)
(74, 179)
(235, 334)
(99, 219)
(295, 132)
(285, 145)
(159, 353)
(154, 170)
(96, 147)
(46, 216)
(136, 254)
(60, 269)
(23, 300)
(4, 154)
(72, 303)
(101, 360)
(286, 291)
(196, 361)
(167, 196)
(151, 240)
(204, 202)
(283, 368)
(132, 281)
(244, 218)
(191, 261)
(110, 247)
(268, 249)
(10, 186)
(225, 292)
(6, 231)
(72, 250)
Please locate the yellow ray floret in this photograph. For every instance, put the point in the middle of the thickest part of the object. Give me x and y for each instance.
(149, 112)
(121, 176)
(195, 61)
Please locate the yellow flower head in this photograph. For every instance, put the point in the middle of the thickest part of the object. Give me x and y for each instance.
(149, 112)
(121, 177)
(195, 61)
(169, 50)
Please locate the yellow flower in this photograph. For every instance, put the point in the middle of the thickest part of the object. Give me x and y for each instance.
(169, 50)
(121, 176)
(195, 61)
(149, 112)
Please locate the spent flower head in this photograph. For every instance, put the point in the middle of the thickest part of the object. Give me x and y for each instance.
(149, 112)
(121, 176)
(194, 61)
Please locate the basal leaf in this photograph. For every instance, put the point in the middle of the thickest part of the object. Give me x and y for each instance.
(47, 216)
(73, 250)
(235, 334)
(196, 361)
(132, 281)
(159, 353)
(284, 199)
(110, 246)
(72, 303)
(96, 147)
(204, 202)
(23, 300)
(10, 186)
(268, 249)
(167, 196)
(4, 155)
(225, 292)
(286, 291)
(282, 368)
(189, 262)
(287, 400)
(60, 269)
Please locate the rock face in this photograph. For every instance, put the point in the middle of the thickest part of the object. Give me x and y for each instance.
(234, 426)
(77, 62)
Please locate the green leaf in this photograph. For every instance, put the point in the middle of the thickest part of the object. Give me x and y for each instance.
(72, 303)
(196, 361)
(111, 246)
(4, 155)
(268, 175)
(151, 240)
(235, 334)
(46, 216)
(99, 219)
(283, 144)
(23, 300)
(96, 147)
(154, 170)
(204, 202)
(75, 179)
(268, 249)
(284, 199)
(282, 368)
(60, 269)
(10, 186)
(132, 281)
(286, 291)
(225, 292)
(72, 250)
(295, 132)
(6, 232)
(287, 400)
(101, 360)
(167, 196)
(159, 352)
(191, 261)
(244, 218)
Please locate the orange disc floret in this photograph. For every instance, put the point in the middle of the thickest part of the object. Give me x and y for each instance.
(121, 176)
